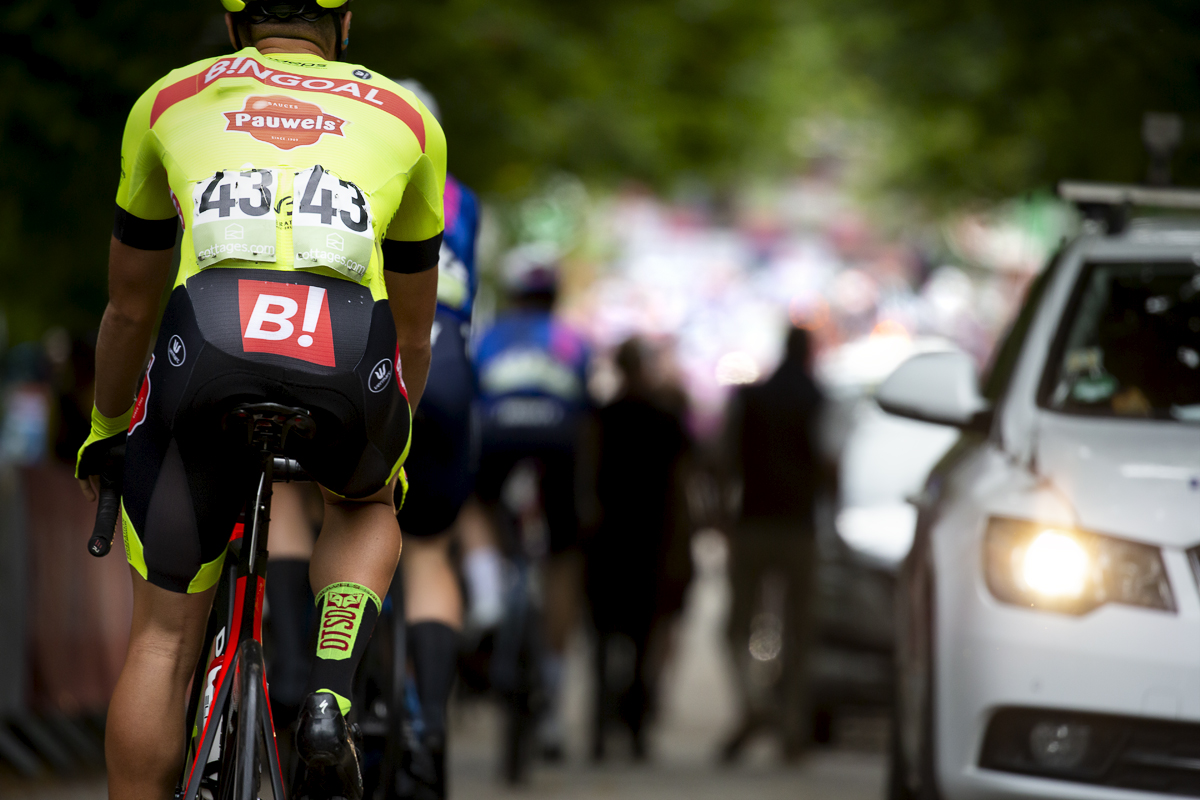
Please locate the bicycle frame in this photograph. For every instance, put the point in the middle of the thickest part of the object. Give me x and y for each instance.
(234, 639)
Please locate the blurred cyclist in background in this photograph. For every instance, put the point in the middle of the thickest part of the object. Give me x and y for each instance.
(533, 404)
(442, 472)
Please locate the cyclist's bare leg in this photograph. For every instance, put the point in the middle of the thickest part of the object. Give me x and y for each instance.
(291, 522)
(433, 605)
(562, 575)
(431, 591)
(145, 730)
(360, 542)
(352, 566)
(483, 564)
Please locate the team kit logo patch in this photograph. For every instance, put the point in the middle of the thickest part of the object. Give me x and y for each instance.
(283, 121)
(176, 351)
(287, 319)
(381, 376)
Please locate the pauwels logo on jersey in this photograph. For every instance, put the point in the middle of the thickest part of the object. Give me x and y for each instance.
(283, 121)
(287, 319)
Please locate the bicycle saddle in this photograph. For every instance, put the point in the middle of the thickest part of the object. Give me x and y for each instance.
(268, 425)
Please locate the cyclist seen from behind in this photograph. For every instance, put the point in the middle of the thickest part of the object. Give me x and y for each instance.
(443, 476)
(310, 197)
(533, 407)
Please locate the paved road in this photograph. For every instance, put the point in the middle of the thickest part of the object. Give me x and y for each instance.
(697, 709)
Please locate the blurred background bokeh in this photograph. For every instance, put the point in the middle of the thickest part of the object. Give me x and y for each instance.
(880, 173)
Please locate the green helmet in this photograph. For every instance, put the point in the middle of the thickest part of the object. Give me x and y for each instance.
(234, 6)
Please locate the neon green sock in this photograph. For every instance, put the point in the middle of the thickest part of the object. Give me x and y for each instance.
(346, 614)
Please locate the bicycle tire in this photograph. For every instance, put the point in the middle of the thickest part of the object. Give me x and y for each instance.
(247, 763)
(379, 692)
(393, 777)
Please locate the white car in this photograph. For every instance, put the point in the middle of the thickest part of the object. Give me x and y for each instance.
(1048, 639)
(882, 459)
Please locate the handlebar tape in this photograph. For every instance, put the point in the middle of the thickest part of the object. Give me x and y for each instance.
(109, 507)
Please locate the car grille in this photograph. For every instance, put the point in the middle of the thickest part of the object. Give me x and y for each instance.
(1123, 752)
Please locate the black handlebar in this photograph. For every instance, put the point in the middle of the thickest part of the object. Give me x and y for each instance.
(109, 507)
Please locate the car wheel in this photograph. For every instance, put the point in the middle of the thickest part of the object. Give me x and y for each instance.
(897, 785)
(822, 725)
(927, 788)
(921, 699)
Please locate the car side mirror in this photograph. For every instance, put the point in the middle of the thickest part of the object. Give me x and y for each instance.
(936, 387)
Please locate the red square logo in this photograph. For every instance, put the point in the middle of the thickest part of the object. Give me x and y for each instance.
(288, 319)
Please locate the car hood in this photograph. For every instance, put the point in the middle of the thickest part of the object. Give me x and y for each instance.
(1135, 479)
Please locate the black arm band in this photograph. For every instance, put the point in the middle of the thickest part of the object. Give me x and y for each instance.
(144, 234)
(410, 258)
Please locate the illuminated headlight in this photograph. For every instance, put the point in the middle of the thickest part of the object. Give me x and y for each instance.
(1071, 571)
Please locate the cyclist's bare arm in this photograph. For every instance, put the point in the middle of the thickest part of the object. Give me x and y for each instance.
(136, 279)
(413, 300)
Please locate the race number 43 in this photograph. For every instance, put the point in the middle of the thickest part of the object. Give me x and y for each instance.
(233, 216)
(331, 224)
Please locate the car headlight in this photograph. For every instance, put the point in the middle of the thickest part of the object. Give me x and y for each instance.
(1071, 571)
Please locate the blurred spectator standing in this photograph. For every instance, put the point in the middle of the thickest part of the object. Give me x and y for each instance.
(773, 454)
(638, 561)
(67, 614)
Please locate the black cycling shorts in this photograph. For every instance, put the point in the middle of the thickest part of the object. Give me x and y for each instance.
(444, 457)
(556, 484)
(241, 335)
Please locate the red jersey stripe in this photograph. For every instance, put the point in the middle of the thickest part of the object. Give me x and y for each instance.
(243, 67)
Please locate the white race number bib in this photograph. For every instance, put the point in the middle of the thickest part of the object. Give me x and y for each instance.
(233, 216)
(331, 224)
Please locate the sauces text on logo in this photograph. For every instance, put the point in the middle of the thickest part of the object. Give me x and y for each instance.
(283, 121)
(287, 319)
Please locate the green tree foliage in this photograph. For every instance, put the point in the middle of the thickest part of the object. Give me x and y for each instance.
(622, 88)
(991, 98)
(978, 98)
(69, 73)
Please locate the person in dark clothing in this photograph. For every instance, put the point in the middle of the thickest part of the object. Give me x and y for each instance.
(773, 453)
(634, 585)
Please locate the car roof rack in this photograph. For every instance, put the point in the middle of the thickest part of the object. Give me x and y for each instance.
(1110, 203)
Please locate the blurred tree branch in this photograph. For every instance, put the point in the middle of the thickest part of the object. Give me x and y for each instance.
(974, 99)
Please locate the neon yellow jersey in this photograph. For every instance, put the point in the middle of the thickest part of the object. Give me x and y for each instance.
(284, 162)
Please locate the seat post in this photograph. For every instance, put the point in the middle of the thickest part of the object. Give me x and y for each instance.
(268, 427)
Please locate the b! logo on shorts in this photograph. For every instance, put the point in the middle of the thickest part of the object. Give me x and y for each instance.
(287, 319)
(176, 351)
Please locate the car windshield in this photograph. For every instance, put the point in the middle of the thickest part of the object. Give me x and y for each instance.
(1132, 344)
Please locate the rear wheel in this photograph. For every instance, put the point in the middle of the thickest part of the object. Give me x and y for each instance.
(249, 738)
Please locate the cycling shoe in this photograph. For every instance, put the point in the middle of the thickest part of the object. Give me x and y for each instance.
(329, 762)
